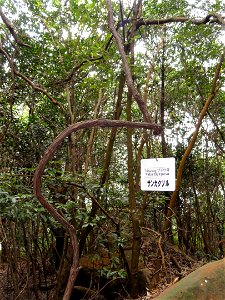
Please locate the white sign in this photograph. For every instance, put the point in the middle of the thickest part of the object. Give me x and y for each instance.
(158, 174)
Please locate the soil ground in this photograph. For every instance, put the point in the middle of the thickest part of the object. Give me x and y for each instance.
(177, 265)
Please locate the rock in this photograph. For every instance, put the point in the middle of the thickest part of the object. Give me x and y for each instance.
(205, 283)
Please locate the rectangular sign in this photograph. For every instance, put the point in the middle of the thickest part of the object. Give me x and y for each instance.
(158, 174)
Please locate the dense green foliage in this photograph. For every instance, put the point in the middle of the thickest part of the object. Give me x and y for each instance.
(59, 65)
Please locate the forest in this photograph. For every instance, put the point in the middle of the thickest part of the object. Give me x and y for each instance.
(89, 88)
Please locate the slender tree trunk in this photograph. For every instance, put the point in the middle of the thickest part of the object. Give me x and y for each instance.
(13, 261)
(214, 90)
(107, 160)
(136, 242)
(162, 101)
(92, 134)
(4, 241)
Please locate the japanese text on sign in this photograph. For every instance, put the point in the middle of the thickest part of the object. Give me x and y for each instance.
(158, 174)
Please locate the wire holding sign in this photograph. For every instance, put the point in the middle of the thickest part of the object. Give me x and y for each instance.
(158, 174)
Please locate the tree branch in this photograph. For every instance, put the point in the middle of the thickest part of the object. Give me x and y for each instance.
(210, 18)
(130, 83)
(29, 81)
(38, 88)
(69, 77)
(12, 30)
(49, 153)
(95, 200)
(214, 90)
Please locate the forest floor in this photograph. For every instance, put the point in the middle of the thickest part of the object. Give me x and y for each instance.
(6, 285)
(176, 266)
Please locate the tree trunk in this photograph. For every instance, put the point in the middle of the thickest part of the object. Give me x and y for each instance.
(214, 90)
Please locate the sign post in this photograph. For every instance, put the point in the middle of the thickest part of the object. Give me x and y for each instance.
(158, 174)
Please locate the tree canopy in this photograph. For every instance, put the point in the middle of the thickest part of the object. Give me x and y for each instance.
(88, 89)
